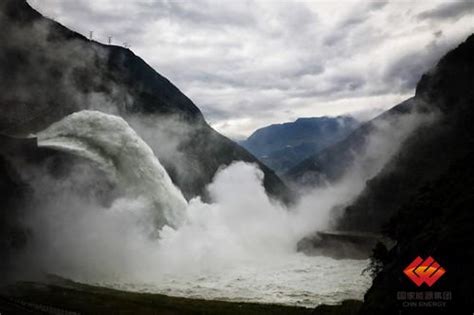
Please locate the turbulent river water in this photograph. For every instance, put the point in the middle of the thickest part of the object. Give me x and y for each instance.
(296, 280)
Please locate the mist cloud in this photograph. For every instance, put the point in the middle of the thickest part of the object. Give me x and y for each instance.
(77, 235)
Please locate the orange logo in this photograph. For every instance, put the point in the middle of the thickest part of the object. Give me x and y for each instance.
(427, 271)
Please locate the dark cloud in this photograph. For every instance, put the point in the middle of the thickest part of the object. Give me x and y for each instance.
(358, 18)
(406, 71)
(307, 69)
(336, 86)
(203, 13)
(438, 34)
(377, 5)
(353, 21)
(453, 10)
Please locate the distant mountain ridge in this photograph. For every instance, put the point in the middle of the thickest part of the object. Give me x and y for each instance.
(281, 146)
(331, 163)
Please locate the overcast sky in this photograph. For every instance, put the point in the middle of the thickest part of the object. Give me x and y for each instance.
(249, 63)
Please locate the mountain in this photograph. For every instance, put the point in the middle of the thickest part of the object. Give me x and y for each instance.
(331, 163)
(423, 198)
(429, 152)
(281, 146)
(48, 72)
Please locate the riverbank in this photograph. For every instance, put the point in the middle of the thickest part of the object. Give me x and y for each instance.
(72, 298)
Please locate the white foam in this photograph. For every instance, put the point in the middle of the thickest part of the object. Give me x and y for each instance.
(109, 142)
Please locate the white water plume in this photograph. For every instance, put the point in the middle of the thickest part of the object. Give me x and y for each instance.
(241, 246)
(114, 147)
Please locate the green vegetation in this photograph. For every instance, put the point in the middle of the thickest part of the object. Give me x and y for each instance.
(86, 299)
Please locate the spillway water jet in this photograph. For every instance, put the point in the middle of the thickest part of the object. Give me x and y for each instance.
(110, 143)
